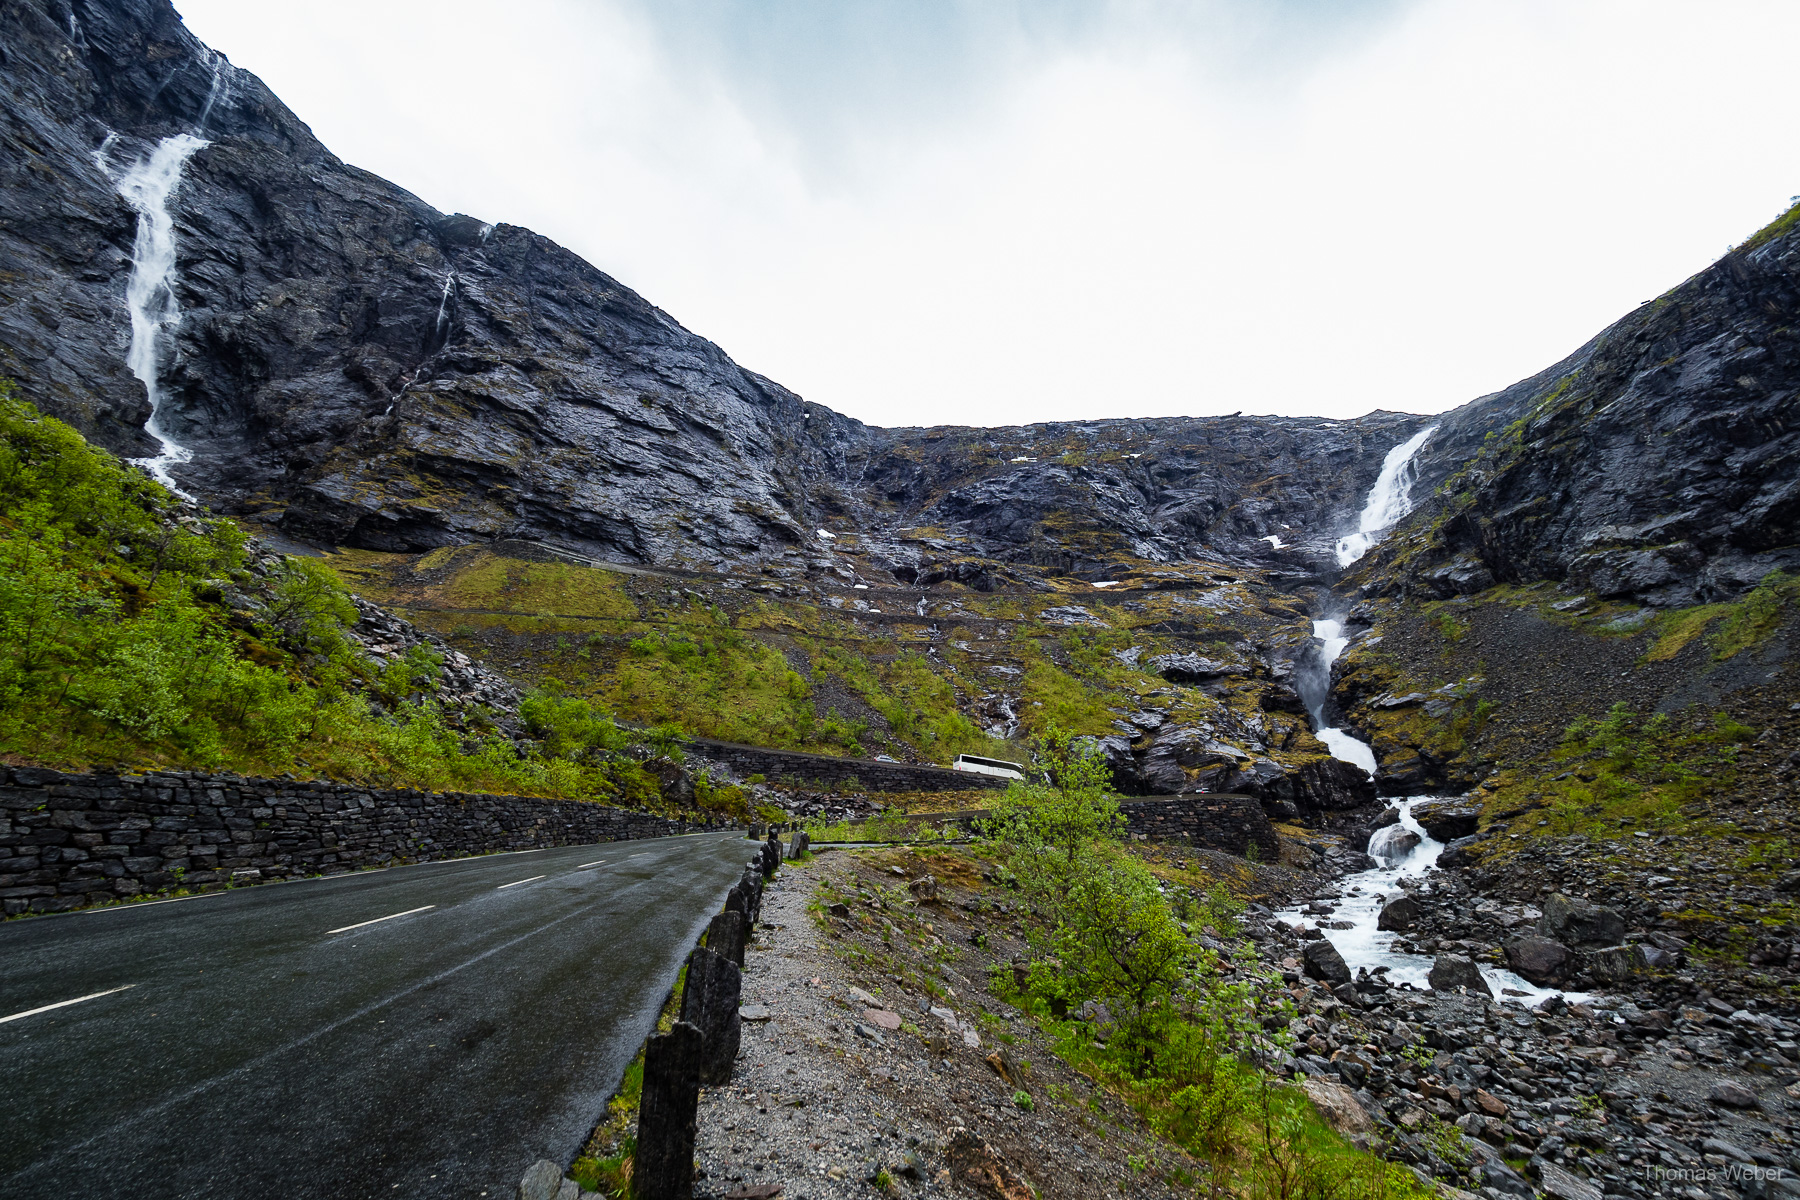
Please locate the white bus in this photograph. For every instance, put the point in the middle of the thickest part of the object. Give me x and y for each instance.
(988, 766)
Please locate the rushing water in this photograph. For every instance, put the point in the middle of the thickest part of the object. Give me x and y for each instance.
(1403, 852)
(1389, 500)
(147, 186)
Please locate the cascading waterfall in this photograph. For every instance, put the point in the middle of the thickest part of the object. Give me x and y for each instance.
(148, 185)
(1389, 500)
(1402, 851)
(1315, 690)
(150, 292)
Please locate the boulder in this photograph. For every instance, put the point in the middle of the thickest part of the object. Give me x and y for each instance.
(1730, 1094)
(1402, 912)
(1321, 960)
(980, 1168)
(1544, 961)
(1576, 922)
(1452, 971)
(1337, 1104)
(1393, 843)
(1615, 964)
(1447, 820)
(542, 1181)
(1565, 1186)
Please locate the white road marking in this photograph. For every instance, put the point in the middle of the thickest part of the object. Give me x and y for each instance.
(378, 920)
(517, 882)
(595, 863)
(154, 903)
(32, 1012)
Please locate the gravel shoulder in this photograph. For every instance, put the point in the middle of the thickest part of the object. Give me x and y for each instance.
(846, 1077)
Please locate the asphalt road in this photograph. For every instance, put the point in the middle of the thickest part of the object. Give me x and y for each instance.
(267, 1042)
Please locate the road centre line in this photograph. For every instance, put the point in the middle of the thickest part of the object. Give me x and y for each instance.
(32, 1012)
(595, 863)
(517, 882)
(378, 920)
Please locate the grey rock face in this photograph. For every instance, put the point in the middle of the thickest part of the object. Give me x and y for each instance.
(1321, 960)
(355, 367)
(1658, 462)
(1577, 922)
(1451, 971)
(1400, 913)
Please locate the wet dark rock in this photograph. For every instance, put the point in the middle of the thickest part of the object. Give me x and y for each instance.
(1447, 820)
(1400, 913)
(1541, 960)
(1614, 964)
(1577, 922)
(1728, 1093)
(1452, 971)
(1321, 960)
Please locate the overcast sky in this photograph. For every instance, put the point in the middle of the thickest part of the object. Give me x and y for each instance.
(981, 212)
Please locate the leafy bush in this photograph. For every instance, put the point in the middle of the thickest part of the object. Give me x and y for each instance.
(131, 632)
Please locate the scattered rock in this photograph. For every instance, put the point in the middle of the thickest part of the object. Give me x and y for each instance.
(1402, 912)
(1451, 971)
(881, 1018)
(1324, 962)
(1564, 1185)
(1730, 1094)
(977, 1165)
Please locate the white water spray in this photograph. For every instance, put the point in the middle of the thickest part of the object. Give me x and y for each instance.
(1389, 500)
(150, 293)
(1341, 744)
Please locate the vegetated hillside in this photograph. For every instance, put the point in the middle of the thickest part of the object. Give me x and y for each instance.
(1186, 674)
(135, 631)
(354, 369)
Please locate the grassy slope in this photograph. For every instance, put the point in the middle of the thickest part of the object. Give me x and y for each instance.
(722, 661)
(134, 634)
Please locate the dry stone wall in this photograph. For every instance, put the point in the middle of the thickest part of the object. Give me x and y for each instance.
(67, 841)
(829, 773)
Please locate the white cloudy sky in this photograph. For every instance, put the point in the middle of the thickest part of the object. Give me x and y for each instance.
(989, 212)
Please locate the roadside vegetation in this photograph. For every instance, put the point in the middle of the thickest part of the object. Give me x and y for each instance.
(1134, 982)
(137, 634)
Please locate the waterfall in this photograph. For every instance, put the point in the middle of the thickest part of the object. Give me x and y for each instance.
(1315, 690)
(443, 313)
(1389, 500)
(150, 292)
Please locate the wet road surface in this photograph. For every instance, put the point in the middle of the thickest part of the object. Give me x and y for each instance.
(427, 1030)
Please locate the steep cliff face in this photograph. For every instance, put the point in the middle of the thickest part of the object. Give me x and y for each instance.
(1659, 463)
(354, 367)
(349, 361)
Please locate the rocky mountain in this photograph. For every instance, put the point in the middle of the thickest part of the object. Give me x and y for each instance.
(343, 366)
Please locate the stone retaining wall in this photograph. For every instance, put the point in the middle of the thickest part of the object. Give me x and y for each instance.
(67, 841)
(840, 773)
(1215, 820)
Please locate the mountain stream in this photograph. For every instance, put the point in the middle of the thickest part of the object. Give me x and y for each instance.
(1403, 851)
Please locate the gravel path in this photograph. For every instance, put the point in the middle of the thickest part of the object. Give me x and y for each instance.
(820, 1108)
